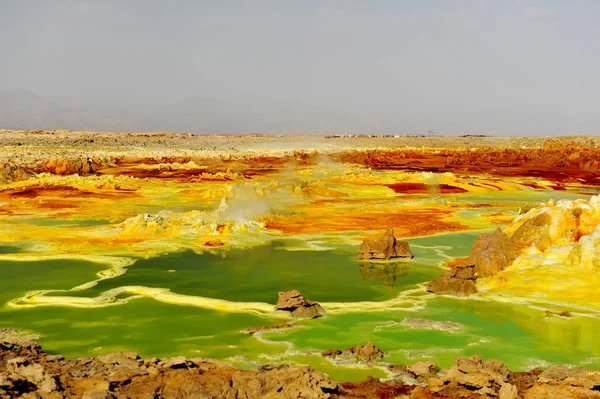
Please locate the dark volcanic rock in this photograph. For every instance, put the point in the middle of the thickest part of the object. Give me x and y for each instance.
(385, 247)
(301, 308)
(456, 282)
(368, 353)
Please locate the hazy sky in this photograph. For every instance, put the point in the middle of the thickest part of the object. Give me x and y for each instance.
(498, 67)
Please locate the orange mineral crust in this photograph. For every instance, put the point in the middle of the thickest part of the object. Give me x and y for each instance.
(423, 221)
(556, 161)
(183, 157)
(131, 194)
(421, 188)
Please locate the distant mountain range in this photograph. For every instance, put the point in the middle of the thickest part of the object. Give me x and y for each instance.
(21, 109)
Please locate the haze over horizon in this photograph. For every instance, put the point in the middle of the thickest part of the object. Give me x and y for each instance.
(391, 67)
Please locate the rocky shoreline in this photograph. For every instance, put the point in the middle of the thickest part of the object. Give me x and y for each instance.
(27, 371)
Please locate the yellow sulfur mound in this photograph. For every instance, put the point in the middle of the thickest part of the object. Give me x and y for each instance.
(559, 260)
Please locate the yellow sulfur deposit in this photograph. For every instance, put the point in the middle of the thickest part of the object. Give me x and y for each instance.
(559, 261)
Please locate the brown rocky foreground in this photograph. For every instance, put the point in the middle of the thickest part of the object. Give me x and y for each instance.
(28, 372)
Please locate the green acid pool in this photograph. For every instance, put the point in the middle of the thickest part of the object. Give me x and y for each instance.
(520, 336)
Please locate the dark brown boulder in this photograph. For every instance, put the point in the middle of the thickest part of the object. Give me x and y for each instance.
(456, 282)
(492, 253)
(385, 247)
(293, 301)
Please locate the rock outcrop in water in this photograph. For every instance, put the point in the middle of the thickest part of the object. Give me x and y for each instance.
(300, 308)
(368, 353)
(492, 253)
(385, 247)
(455, 282)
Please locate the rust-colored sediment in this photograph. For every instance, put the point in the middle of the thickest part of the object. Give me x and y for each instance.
(422, 188)
(300, 186)
(557, 160)
(423, 221)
